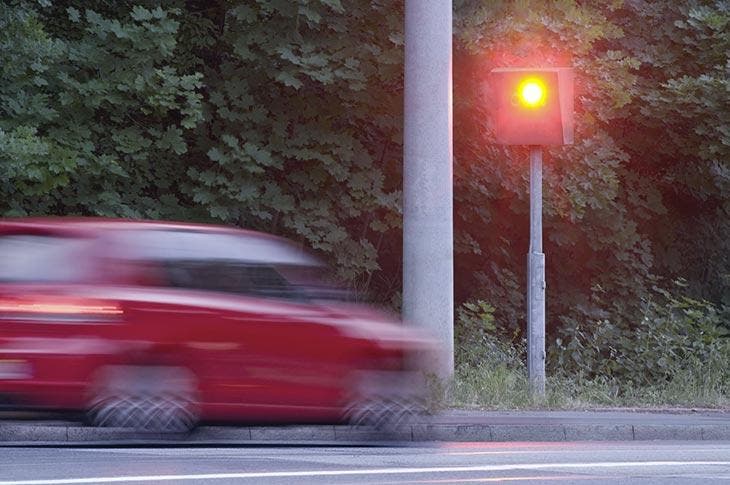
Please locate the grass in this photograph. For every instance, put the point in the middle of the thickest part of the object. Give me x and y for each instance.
(691, 356)
(498, 386)
(679, 355)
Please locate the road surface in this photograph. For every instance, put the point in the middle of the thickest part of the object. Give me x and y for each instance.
(457, 463)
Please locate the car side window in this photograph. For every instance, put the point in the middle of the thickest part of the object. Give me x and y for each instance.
(33, 258)
(235, 277)
(213, 261)
(267, 282)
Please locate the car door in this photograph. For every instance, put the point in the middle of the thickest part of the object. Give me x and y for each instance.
(257, 346)
(259, 350)
(290, 345)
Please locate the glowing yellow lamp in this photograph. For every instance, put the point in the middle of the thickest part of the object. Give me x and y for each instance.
(531, 105)
(532, 93)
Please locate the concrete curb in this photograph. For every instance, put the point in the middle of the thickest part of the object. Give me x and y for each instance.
(73, 434)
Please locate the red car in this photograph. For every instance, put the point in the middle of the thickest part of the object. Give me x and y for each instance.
(159, 325)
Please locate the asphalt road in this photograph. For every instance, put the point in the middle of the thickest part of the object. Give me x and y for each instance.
(457, 463)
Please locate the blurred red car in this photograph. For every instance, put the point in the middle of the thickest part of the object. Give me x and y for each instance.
(159, 325)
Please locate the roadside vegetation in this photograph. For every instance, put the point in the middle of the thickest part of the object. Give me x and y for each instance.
(676, 355)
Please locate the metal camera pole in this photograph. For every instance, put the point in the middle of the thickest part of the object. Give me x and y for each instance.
(534, 108)
(536, 281)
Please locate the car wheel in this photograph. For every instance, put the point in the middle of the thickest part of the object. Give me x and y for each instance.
(385, 401)
(385, 413)
(159, 399)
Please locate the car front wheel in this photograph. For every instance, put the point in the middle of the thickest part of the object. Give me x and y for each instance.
(386, 400)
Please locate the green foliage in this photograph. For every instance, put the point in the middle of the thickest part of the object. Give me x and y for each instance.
(93, 120)
(674, 336)
(477, 339)
(643, 193)
(286, 117)
(677, 131)
(594, 242)
(677, 356)
(303, 110)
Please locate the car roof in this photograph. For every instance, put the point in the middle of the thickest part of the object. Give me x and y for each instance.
(102, 223)
(98, 225)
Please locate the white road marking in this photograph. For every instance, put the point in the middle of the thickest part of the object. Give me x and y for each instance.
(374, 471)
(552, 478)
(592, 450)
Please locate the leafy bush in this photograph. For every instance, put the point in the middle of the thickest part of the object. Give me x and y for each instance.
(677, 355)
(478, 340)
(490, 366)
(675, 336)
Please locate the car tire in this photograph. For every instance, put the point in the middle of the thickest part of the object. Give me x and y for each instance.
(144, 398)
(384, 413)
(385, 401)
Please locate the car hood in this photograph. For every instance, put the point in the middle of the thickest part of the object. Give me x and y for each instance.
(361, 321)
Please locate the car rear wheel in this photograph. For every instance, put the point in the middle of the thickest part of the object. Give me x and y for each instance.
(145, 398)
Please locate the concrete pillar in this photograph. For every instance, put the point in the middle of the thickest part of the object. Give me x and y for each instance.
(428, 262)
